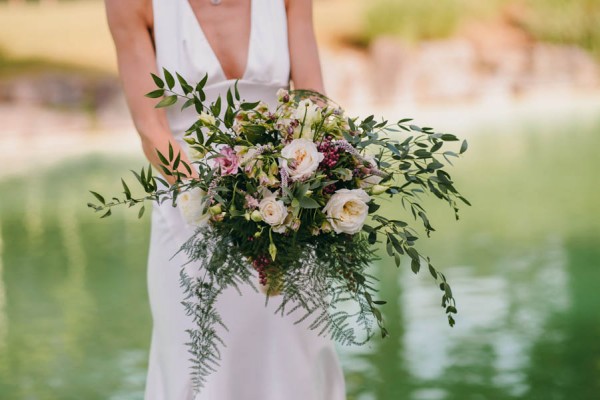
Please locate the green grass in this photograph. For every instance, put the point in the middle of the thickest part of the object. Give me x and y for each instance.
(71, 34)
(566, 21)
(420, 20)
(559, 21)
(10, 66)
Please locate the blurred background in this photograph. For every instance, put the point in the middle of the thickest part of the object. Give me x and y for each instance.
(520, 79)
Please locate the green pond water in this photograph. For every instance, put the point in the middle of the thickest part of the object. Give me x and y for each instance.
(524, 262)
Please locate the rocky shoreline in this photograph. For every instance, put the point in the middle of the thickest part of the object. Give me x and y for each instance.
(482, 68)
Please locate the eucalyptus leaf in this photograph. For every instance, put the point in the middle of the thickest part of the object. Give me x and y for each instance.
(307, 202)
(169, 79)
(157, 81)
(167, 101)
(155, 93)
(99, 197)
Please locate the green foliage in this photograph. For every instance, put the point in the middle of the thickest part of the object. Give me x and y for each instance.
(321, 273)
(318, 280)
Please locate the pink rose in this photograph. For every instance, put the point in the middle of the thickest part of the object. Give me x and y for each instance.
(228, 161)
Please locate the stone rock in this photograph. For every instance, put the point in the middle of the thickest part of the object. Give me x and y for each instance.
(445, 70)
(390, 62)
(347, 76)
(61, 90)
(558, 66)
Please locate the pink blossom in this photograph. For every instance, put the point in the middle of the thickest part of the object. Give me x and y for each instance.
(228, 161)
(251, 202)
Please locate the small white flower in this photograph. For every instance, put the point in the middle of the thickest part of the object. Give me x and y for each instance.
(195, 155)
(369, 181)
(206, 118)
(347, 210)
(371, 160)
(245, 153)
(283, 96)
(307, 113)
(192, 205)
(308, 133)
(280, 228)
(272, 211)
(301, 158)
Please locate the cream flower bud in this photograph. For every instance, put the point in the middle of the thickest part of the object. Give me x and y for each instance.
(216, 209)
(326, 227)
(219, 217)
(283, 96)
(295, 224)
(207, 119)
(256, 216)
(378, 189)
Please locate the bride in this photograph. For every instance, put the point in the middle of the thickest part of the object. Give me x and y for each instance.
(264, 44)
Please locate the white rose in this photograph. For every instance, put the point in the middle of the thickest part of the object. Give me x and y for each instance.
(207, 118)
(272, 211)
(192, 205)
(347, 210)
(307, 113)
(301, 159)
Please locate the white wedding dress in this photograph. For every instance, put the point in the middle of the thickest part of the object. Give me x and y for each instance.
(267, 357)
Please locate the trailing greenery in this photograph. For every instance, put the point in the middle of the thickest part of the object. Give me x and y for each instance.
(315, 276)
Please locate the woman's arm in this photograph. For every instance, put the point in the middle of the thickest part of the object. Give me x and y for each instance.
(304, 55)
(129, 23)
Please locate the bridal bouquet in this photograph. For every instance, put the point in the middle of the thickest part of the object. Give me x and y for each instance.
(287, 200)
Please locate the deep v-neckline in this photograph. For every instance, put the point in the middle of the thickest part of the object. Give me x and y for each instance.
(202, 34)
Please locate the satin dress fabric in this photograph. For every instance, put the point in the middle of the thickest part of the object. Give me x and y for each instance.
(267, 356)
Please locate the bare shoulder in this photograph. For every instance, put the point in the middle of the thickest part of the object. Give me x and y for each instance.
(131, 13)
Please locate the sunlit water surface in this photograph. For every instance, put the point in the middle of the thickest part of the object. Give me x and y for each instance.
(523, 261)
